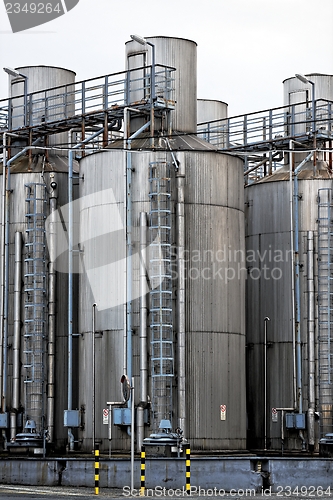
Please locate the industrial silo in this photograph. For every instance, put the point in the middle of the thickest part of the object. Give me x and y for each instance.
(162, 282)
(285, 290)
(212, 121)
(34, 307)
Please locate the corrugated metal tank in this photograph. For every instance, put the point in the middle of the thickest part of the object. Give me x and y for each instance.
(178, 53)
(214, 269)
(269, 294)
(44, 170)
(295, 91)
(269, 283)
(215, 343)
(40, 78)
(210, 110)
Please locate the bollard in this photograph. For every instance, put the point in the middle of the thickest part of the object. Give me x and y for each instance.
(143, 471)
(188, 471)
(97, 470)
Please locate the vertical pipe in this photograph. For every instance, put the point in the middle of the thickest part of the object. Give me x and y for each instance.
(3, 225)
(180, 214)
(17, 333)
(291, 201)
(6, 297)
(265, 382)
(93, 375)
(296, 270)
(129, 264)
(70, 294)
(70, 278)
(297, 299)
(132, 433)
(143, 330)
(311, 342)
(51, 317)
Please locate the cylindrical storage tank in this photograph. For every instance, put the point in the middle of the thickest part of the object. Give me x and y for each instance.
(38, 297)
(210, 110)
(296, 92)
(271, 296)
(214, 291)
(51, 181)
(43, 105)
(177, 53)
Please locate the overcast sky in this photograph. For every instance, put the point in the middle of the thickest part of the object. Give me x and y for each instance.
(246, 48)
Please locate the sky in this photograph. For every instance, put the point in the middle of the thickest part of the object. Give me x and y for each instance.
(246, 48)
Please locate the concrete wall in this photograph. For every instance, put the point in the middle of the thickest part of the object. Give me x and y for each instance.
(232, 473)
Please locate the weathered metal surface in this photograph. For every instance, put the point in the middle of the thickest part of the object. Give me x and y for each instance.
(269, 293)
(215, 287)
(182, 55)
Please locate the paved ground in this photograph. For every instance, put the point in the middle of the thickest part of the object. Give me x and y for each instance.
(46, 493)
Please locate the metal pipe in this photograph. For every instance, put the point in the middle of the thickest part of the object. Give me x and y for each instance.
(93, 375)
(265, 382)
(132, 434)
(180, 215)
(296, 270)
(70, 279)
(311, 343)
(51, 316)
(129, 252)
(17, 334)
(291, 201)
(143, 330)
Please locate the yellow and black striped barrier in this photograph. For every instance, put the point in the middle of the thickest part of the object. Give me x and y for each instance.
(97, 470)
(188, 470)
(143, 471)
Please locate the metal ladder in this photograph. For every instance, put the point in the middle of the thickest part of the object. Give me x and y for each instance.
(161, 326)
(35, 304)
(325, 309)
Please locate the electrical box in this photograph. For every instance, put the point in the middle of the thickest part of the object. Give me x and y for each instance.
(295, 421)
(72, 418)
(300, 420)
(4, 421)
(290, 420)
(122, 416)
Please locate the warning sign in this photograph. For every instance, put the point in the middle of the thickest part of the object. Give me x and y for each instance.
(274, 415)
(105, 416)
(223, 412)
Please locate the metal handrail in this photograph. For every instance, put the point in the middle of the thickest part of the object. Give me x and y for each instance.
(91, 96)
(260, 127)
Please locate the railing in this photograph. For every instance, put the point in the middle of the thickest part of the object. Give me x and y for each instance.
(262, 128)
(97, 95)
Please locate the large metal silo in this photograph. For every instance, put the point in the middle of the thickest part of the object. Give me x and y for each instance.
(215, 112)
(291, 383)
(35, 317)
(284, 282)
(191, 257)
(178, 53)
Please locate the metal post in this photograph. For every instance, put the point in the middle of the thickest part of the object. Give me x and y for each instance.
(188, 471)
(97, 470)
(143, 472)
(311, 341)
